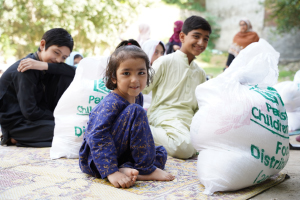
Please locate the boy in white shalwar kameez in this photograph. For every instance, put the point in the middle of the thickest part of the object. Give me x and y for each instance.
(174, 102)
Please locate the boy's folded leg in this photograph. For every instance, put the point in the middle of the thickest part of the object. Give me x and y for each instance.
(33, 133)
(177, 142)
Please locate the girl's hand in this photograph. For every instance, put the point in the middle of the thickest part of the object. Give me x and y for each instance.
(29, 63)
(119, 179)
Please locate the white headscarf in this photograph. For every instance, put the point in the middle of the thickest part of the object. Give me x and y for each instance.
(149, 47)
(249, 25)
(70, 59)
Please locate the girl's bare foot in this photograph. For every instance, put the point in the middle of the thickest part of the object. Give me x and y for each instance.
(157, 175)
(119, 179)
(132, 173)
(13, 141)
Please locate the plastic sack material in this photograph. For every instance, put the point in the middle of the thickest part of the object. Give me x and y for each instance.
(290, 94)
(72, 111)
(241, 127)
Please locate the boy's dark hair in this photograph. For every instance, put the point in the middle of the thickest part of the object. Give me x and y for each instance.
(125, 50)
(195, 22)
(77, 56)
(59, 37)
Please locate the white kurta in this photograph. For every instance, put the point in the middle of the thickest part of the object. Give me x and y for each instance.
(174, 102)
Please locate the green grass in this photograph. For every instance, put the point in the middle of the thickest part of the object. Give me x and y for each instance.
(285, 74)
(213, 66)
(213, 71)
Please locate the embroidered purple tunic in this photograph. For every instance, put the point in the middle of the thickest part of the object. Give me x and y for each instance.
(118, 135)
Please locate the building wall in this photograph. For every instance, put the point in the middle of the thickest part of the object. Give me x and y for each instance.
(288, 45)
(230, 11)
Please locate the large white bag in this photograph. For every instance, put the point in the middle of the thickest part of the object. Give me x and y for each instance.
(240, 129)
(72, 111)
(290, 94)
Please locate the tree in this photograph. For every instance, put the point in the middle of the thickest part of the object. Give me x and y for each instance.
(285, 13)
(93, 24)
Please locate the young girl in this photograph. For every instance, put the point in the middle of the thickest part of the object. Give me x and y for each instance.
(118, 143)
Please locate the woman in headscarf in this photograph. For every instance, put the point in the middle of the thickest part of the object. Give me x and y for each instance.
(144, 35)
(154, 49)
(74, 58)
(241, 40)
(174, 42)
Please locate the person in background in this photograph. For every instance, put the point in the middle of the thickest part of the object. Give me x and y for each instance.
(31, 88)
(241, 40)
(74, 58)
(118, 143)
(144, 33)
(174, 42)
(154, 49)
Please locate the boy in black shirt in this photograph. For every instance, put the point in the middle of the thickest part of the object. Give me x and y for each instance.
(31, 88)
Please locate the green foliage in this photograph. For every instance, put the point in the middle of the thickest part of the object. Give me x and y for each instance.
(212, 20)
(93, 24)
(206, 55)
(188, 4)
(286, 14)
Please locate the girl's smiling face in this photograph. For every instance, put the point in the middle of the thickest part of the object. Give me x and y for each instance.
(131, 78)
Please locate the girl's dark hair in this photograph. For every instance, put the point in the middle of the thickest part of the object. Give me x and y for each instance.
(125, 50)
(59, 37)
(128, 42)
(195, 22)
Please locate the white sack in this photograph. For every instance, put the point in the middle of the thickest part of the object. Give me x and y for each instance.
(72, 111)
(238, 144)
(290, 94)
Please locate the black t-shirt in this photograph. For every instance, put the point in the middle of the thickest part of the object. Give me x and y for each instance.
(22, 94)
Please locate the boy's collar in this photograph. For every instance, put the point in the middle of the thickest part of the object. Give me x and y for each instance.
(183, 54)
(36, 56)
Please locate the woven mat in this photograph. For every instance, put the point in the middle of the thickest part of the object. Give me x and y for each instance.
(29, 173)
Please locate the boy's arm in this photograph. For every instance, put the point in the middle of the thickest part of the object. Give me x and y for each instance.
(26, 87)
(100, 140)
(157, 67)
(51, 68)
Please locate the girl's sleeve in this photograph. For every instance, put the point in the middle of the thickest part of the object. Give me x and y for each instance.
(99, 138)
